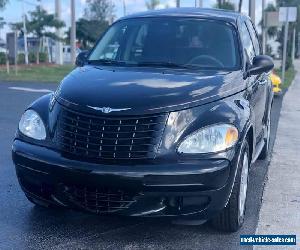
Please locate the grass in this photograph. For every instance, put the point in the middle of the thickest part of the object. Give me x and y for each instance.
(289, 77)
(36, 73)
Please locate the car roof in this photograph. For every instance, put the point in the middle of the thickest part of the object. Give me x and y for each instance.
(217, 14)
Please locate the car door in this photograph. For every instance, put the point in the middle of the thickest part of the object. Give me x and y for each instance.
(264, 81)
(258, 83)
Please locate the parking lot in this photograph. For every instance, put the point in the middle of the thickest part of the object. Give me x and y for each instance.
(24, 226)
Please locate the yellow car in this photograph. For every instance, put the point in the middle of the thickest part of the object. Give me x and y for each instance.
(276, 81)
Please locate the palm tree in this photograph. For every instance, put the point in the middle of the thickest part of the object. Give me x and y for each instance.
(3, 3)
(2, 23)
(152, 4)
(40, 25)
(223, 4)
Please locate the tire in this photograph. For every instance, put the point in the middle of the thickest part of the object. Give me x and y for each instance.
(232, 216)
(264, 154)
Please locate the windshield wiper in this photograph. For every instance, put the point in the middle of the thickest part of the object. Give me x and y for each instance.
(164, 64)
(140, 64)
(107, 62)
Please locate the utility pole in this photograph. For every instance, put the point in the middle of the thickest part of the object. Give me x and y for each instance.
(25, 33)
(200, 3)
(286, 28)
(178, 3)
(16, 52)
(294, 45)
(252, 10)
(124, 7)
(58, 43)
(264, 33)
(240, 6)
(73, 33)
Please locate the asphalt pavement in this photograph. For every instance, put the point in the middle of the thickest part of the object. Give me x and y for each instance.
(25, 226)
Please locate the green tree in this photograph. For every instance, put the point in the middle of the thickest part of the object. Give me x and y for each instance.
(2, 23)
(18, 26)
(40, 24)
(98, 14)
(226, 5)
(3, 3)
(88, 31)
(100, 10)
(152, 4)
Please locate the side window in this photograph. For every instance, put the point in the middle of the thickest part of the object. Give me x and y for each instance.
(253, 36)
(109, 48)
(247, 42)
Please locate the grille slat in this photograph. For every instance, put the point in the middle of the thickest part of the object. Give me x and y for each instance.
(96, 144)
(112, 132)
(108, 151)
(97, 200)
(116, 124)
(109, 139)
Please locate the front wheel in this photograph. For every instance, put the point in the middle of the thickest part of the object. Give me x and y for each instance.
(232, 216)
(266, 149)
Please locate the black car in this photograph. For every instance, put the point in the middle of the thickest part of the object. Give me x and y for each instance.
(163, 117)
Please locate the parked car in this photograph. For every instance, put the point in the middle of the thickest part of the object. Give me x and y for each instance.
(163, 117)
(67, 53)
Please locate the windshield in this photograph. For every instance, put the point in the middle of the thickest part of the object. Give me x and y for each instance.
(168, 42)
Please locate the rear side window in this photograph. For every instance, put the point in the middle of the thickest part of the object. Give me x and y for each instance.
(253, 36)
(247, 42)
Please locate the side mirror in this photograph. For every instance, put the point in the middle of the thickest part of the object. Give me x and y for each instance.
(81, 58)
(261, 64)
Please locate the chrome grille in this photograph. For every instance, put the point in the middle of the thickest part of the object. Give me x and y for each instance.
(109, 139)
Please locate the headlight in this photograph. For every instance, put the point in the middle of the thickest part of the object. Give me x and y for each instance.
(32, 125)
(210, 139)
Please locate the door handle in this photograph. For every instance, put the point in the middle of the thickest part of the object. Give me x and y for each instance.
(263, 82)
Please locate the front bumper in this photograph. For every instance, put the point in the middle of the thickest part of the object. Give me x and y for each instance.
(191, 188)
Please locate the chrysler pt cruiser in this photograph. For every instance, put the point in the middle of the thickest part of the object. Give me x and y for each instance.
(163, 117)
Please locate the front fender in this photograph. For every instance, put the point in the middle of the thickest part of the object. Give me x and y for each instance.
(233, 110)
(42, 107)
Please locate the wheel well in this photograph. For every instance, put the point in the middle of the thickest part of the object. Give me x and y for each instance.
(250, 140)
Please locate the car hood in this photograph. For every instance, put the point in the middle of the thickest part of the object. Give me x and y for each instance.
(145, 90)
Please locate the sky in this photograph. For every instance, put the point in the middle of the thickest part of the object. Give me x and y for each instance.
(13, 10)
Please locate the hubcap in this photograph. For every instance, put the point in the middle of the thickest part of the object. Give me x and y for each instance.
(243, 184)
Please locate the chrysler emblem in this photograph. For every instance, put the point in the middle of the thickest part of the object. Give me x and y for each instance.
(107, 110)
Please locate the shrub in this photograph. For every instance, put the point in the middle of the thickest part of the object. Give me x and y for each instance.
(21, 58)
(32, 57)
(2, 58)
(43, 57)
